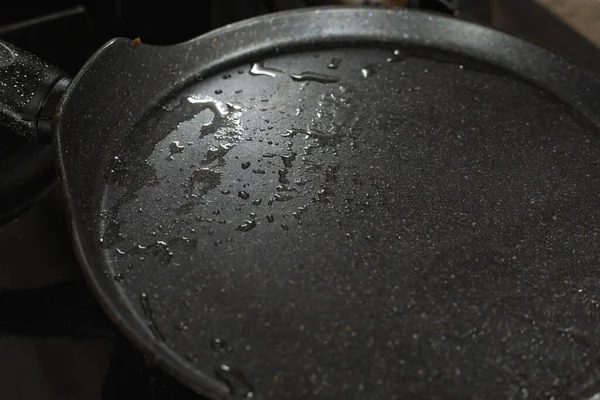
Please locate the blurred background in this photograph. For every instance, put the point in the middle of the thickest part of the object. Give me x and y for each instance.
(55, 343)
(68, 31)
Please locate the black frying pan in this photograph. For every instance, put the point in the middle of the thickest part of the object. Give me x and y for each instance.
(335, 203)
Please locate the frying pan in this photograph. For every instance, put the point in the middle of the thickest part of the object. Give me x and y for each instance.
(334, 203)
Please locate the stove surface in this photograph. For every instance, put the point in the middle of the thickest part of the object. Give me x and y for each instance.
(55, 341)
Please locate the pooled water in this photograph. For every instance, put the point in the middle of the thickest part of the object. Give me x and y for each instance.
(216, 105)
(287, 159)
(175, 147)
(282, 173)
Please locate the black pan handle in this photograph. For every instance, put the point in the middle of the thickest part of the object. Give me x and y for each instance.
(30, 90)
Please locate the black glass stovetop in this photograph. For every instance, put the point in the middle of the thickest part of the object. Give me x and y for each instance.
(55, 342)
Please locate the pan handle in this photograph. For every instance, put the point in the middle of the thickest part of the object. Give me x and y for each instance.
(30, 90)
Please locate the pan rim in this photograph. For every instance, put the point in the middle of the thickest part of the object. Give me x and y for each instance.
(116, 308)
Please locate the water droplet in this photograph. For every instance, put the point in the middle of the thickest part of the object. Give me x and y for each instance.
(370, 70)
(335, 63)
(270, 218)
(245, 165)
(282, 173)
(234, 106)
(259, 171)
(321, 134)
(119, 278)
(244, 195)
(284, 188)
(285, 227)
(218, 91)
(283, 197)
(236, 381)
(257, 202)
(323, 195)
(247, 225)
(225, 191)
(220, 346)
(182, 326)
(216, 212)
(314, 77)
(397, 56)
(259, 69)
(578, 335)
(112, 234)
(171, 105)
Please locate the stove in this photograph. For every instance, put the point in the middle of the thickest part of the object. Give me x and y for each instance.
(55, 341)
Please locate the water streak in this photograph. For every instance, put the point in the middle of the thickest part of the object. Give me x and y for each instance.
(314, 77)
(259, 69)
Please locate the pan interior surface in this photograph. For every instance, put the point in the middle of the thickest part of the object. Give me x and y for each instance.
(362, 223)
